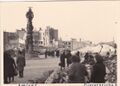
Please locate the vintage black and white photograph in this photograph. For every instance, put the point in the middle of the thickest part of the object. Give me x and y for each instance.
(59, 42)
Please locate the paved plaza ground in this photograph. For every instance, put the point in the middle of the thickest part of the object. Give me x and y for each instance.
(35, 68)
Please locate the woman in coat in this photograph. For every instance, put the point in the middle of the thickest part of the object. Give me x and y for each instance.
(20, 63)
(99, 71)
(6, 67)
(10, 67)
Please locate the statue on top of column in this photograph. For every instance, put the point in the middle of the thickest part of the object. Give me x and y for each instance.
(29, 15)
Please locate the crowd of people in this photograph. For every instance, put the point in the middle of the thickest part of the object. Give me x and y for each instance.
(13, 66)
(81, 68)
(91, 69)
(52, 53)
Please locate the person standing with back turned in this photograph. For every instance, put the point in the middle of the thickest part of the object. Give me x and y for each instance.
(77, 71)
(20, 63)
(99, 71)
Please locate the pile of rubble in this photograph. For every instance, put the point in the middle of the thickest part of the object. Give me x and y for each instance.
(111, 64)
(42, 78)
(58, 76)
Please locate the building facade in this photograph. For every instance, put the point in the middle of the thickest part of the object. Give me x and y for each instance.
(51, 37)
(10, 40)
(41, 38)
(21, 37)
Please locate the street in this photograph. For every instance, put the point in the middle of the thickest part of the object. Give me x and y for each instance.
(35, 68)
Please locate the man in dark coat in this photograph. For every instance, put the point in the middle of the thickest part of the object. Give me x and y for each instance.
(20, 63)
(87, 58)
(46, 53)
(99, 71)
(57, 53)
(62, 60)
(77, 71)
(78, 53)
(69, 58)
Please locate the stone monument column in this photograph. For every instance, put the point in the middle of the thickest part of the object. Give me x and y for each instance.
(29, 36)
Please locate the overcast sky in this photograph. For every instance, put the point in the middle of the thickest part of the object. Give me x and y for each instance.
(95, 21)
